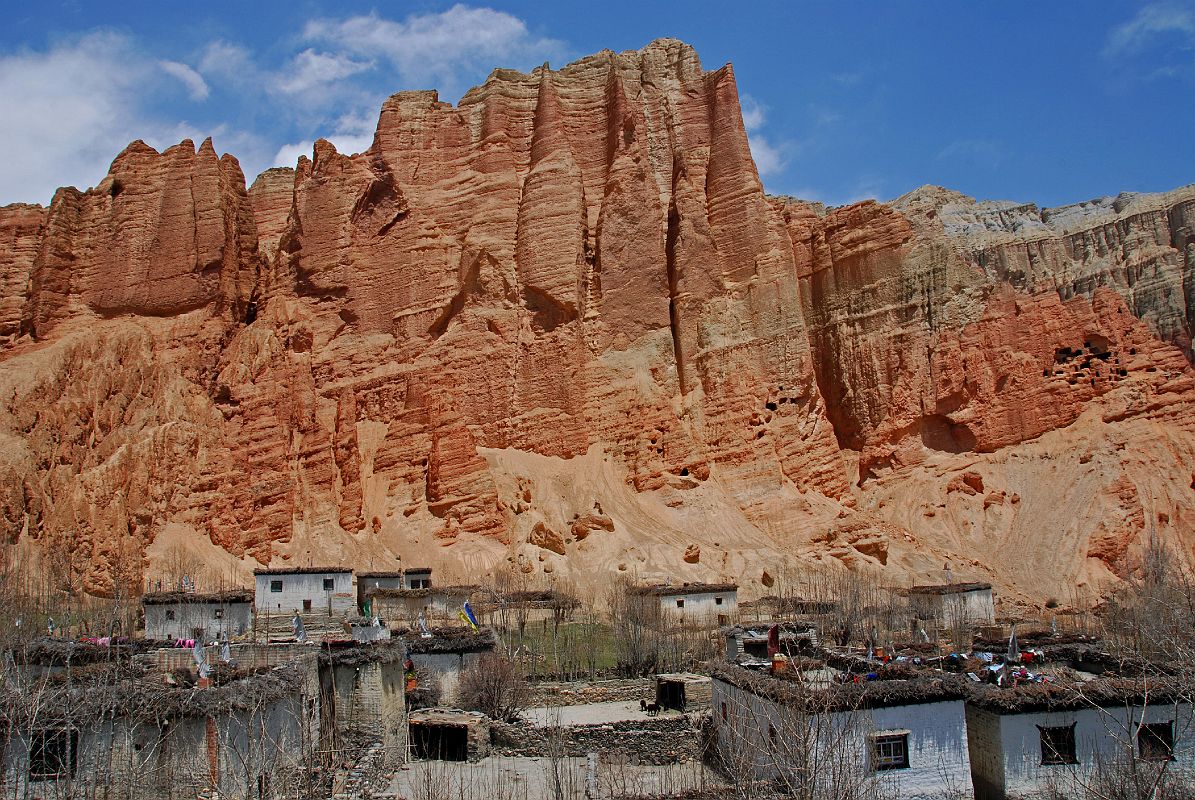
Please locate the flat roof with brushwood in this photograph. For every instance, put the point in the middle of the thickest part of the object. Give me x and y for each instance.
(450, 640)
(303, 571)
(950, 588)
(396, 573)
(439, 591)
(890, 685)
(142, 692)
(665, 590)
(533, 598)
(211, 598)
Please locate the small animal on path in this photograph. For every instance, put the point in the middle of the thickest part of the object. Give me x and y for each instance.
(642, 705)
(653, 709)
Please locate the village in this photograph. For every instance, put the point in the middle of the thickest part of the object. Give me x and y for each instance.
(326, 682)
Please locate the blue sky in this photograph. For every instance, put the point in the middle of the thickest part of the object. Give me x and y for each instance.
(1046, 102)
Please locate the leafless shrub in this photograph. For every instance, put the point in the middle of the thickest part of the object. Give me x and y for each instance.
(495, 687)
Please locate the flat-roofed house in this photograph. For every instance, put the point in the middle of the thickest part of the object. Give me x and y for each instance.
(698, 603)
(1056, 727)
(327, 590)
(954, 604)
(197, 615)
(839, 731)
(414, 578)
(403, 607)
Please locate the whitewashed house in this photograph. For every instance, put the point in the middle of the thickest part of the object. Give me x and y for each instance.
(417, 578)
(314, 590)
(899, 737)
(414, 578)
(124, 732)
(197, 615)
(403, 607)
(1046, 740)
(954, 604)
(694, 603)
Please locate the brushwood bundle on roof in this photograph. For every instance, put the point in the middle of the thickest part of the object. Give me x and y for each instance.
(211, 598)
(950, 588)
(459, 640)
(51, 652)
(1105, 692)
(140, 695)
(665, 590)
(462, 592)
(356, 653)
(923, 686)
(536, 598)
(791, 605)
(1035, 638)
(302, 570)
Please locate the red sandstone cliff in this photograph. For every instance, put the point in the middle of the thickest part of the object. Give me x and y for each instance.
(560, 325)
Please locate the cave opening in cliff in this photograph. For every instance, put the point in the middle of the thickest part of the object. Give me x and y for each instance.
(939, 432)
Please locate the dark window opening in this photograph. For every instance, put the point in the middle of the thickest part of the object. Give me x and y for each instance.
(329, 584)
(275, 586)
(440, 742)
(306, 605)
(680, 603)
(250, 312)
(772, 733)
(1155, 742)
(53, 754)
(1058, 745)
(891, 751)
(756, 647)
(723, 712)
(170, 613)
(219, 613)
(717, 601)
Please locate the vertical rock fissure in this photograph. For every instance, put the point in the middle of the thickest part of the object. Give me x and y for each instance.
(673, 280)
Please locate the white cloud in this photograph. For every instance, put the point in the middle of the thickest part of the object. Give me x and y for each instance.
(71, 108)
(230, 62)
(67, 111)
(862, 189)
(310, 70)
(438, 50)
(288, 154)
(1152, 20)
(353, 133)
(196, 85)
(770, 159)
(754, 112)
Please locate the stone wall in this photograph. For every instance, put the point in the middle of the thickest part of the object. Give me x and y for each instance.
(572, 693)
(661, 740)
